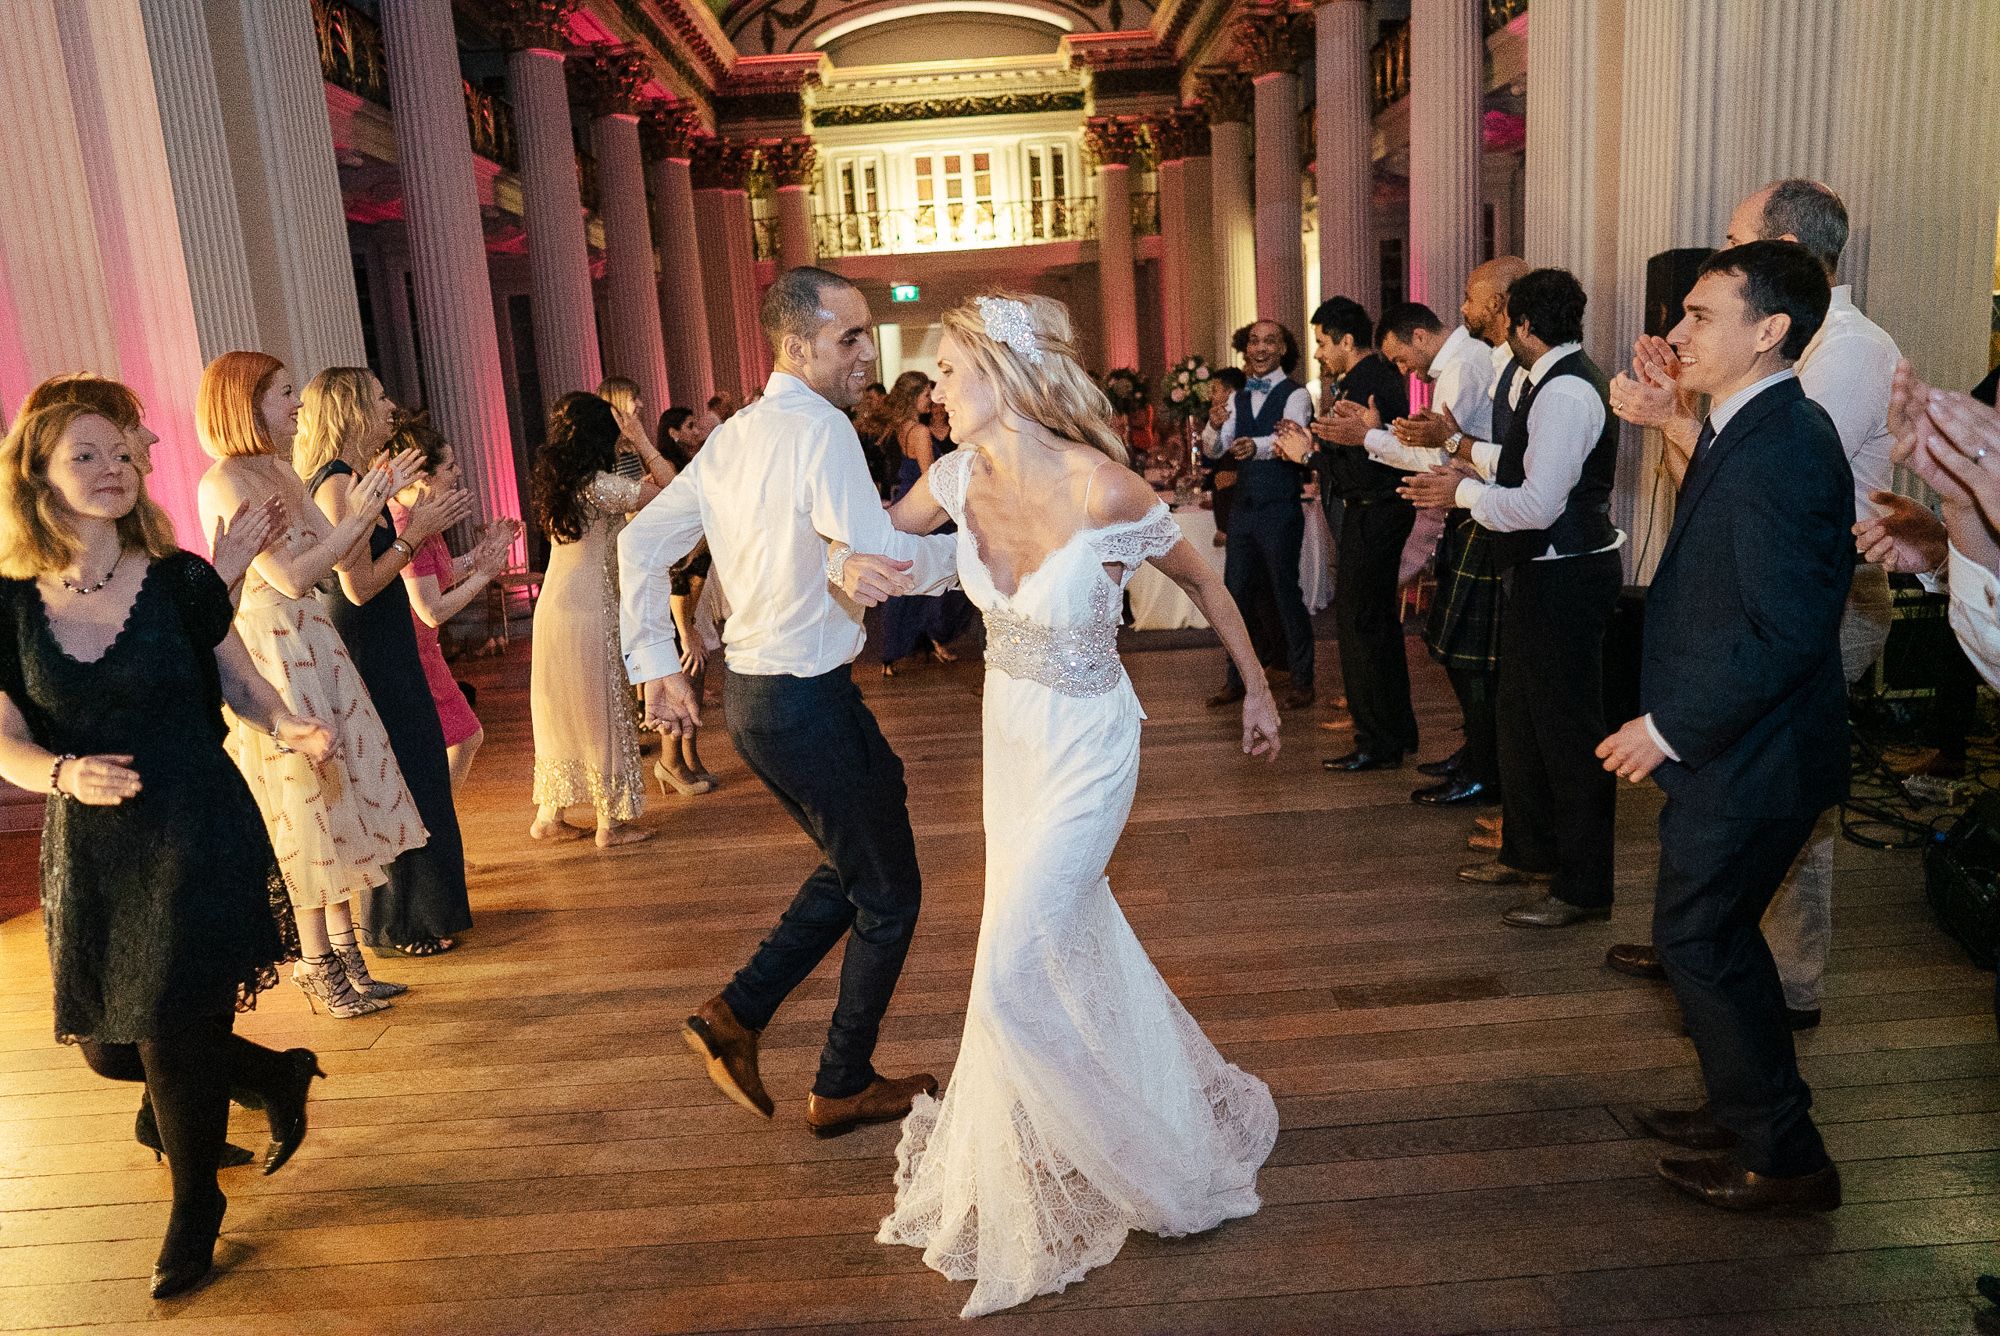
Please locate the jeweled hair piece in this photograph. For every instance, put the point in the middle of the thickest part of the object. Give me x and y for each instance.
(1007, 321)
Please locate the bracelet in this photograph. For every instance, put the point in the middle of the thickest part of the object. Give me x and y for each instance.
(836, 562)
(402, 545)
(55, 774)
(283, 750)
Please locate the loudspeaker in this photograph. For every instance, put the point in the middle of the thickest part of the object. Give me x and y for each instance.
(1669, 278)
(1920, 639)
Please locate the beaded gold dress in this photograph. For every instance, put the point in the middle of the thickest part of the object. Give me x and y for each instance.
(586, 738)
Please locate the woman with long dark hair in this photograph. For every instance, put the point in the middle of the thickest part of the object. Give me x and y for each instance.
(586, 741)
(166, 913)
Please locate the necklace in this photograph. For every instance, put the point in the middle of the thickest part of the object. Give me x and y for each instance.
(75, 588)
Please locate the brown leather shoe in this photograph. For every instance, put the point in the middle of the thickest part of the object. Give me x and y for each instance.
(1493, 872)
(1641, 962)
(1300, 699)
(1488, 821)
(1546, 911)
(884, 1101)
(1696, 1129)
(1725, 1183)
(1483, 841)
(1226, 696)
(730, 1051)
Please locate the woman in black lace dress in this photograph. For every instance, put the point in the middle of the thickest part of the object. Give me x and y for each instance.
(164, 910)
(345, 420)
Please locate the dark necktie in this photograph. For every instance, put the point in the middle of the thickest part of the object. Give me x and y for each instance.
(1701, 444)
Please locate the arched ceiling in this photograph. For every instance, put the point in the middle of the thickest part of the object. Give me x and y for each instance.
(778, 27)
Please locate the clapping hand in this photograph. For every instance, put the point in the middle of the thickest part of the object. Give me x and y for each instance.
(404, 467)
(1650, 394)
(1962, 446)
(1438, 489)
(436, 511)
(1293, 442)
(1427, 430)
(373, 488)
(1349, 423)
(495, 545)
(1907, 540)
(247, 533)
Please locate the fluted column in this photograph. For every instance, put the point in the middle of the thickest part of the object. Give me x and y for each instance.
(1202, 265)
(566, 355)
(1575, 60)
(1343, 126)
(667, 139)
(287, 183)
(465, 390)
(720, 176)
(1170, 177)
(1226, 96)
(634, 345)
(791, 163)
(197, 146)
(1447, 73)
(1268, 36)
(1117, 144)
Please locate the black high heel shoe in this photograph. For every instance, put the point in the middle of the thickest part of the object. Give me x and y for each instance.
(146, 1131)
(286, 1107)
(188, 1254)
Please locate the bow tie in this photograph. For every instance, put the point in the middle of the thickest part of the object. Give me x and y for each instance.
(1264, 385)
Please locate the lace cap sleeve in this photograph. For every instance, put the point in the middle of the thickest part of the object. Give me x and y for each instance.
(947, 479)
(609, 492)
(1151, 535)
(201, 598)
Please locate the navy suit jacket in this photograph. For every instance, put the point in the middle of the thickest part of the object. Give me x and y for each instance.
(1741, 670)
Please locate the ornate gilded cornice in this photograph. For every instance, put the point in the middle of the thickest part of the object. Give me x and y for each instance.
(531, 25)
(686, 35)
(668, 131)
(611, 80)
(721, 164)
(1271, 37)
(1116, 139)
(790, 162)
(1225, 95)
(1182, 133)
(769, 88)
(946, 108)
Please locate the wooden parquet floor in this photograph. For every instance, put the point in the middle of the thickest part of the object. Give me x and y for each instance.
(524, 1145)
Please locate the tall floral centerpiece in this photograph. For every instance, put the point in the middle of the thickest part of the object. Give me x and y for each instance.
(1184, 403)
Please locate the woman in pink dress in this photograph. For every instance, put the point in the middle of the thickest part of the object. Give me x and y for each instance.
(441, 585)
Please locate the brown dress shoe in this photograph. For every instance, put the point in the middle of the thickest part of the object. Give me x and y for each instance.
(1641, 962)
(1488, 821)
(1696, 1129)
(1725, 1183)
(1297, 699)
(1546, 911)
(1226, 696)
(884, 1101)
(1493, 872)
(730, 1051)
(1483, 841)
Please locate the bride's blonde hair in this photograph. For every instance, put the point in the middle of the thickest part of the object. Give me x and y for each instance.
(1056, 391)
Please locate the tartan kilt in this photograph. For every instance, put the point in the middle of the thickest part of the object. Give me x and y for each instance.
(1463, 630)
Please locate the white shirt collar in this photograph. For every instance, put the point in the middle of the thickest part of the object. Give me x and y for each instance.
(1719, 416)
(1457, 345)
(1549, 359)
(1843, 298)
(784, 383)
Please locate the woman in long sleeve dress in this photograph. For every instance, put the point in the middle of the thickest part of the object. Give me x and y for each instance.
(586, 741)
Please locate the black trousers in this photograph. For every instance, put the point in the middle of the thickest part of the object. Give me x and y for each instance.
(1367, 604)
(1559, 800)
(188, 1073)
(1717, 875)
(1264, 542)
(1478, 692)
(819, 751)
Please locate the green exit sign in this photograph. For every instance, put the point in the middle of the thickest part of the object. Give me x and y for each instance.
(904, 292)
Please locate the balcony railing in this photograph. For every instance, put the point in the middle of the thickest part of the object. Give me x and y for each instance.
(955, 227)
(490, 118)
(1145, 213)
(1389, 62)
(350, 50)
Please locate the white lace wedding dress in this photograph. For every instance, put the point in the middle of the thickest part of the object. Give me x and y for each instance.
(1085, 1102)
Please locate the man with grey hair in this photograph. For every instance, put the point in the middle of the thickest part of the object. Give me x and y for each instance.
(782, 493)
(1847, 370)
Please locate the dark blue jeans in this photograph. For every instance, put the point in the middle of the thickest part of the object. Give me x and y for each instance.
(1717, 876)
(818, 749)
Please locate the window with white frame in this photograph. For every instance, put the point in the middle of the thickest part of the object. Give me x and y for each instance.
(856, 181)
(1048, 174)
(954, 197)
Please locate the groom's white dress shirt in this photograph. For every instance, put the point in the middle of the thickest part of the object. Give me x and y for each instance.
(1462, 376)
(772, 490)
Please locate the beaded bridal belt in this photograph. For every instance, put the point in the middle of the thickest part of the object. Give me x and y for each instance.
(1072, 660)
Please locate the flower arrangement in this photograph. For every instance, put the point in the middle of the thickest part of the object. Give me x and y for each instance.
(1184, 390)
(1126, 389)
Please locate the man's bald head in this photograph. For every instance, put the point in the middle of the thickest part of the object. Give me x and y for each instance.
(1485, 307)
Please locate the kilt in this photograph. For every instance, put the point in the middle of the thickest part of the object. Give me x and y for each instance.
(1464, 626)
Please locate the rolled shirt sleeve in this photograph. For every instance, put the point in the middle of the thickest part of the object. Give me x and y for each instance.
(664, 531)
(845, 508)
(1563, 426)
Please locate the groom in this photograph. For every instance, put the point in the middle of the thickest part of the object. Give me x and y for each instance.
(782, 492)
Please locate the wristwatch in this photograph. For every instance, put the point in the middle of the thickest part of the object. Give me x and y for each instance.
(836, 562)
(1451, 442)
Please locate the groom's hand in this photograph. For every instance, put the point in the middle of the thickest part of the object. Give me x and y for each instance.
(672, 708)
(869, 579)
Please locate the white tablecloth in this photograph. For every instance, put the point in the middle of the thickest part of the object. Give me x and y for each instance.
(1159, 605)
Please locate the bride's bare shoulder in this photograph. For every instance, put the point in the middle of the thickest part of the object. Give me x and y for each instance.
(1118, 495)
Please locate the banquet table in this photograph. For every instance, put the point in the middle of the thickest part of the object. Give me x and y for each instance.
(1159, 605)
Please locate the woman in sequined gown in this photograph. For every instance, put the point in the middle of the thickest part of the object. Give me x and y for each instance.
(1085, 1101)
(586, 742)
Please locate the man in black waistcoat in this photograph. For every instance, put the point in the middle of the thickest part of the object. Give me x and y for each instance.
(1266, 525)
(1555, 544)
(1374, 525)
(1745, 723)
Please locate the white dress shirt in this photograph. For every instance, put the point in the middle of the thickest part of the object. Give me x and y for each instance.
(1461, 377)
(1215, 442)
(1975, 613)
(1563, 426)
(1846, 370)
(773, 488)
(1718, 420)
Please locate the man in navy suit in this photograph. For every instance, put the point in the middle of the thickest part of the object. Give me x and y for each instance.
(1745, 723)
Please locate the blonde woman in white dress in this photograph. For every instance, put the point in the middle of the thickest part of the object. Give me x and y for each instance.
(1085, 1102)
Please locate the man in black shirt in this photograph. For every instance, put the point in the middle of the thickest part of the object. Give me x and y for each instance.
(1374, 525)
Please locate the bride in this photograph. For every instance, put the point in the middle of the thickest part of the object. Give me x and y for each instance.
(1085, 1102)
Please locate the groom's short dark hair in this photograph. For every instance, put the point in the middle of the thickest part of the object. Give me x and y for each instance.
(795, 304)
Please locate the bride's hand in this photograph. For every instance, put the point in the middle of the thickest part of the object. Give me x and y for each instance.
(1260, 726)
